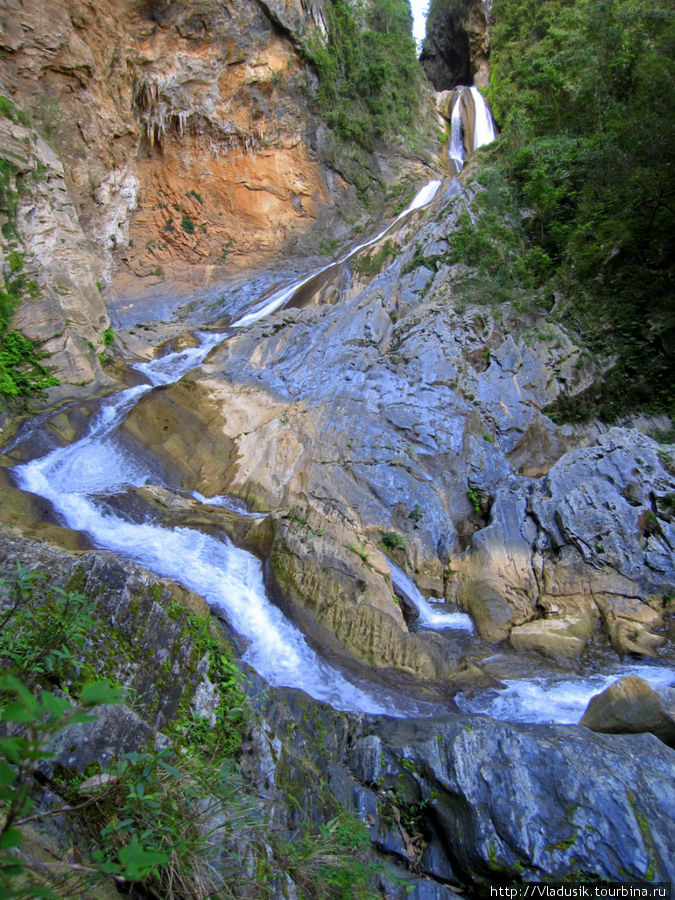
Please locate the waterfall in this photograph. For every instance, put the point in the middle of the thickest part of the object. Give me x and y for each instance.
(80, 480)
(281, 296)
(456, 151)
(482, 133)
(430, 618)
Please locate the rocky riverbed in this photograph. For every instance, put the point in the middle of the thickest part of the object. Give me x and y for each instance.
(382, 419)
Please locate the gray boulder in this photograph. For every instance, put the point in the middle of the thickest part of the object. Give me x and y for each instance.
(630, 706)
(520, 801)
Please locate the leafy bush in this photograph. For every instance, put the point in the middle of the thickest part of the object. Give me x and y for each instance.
(332, 864)
(21, 371)
(584, 94)
(158, 819)
(369, 76)
(393, 541)
(43, 629)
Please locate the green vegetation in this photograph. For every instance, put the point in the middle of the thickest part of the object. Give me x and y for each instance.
(583, 93)
(221, 740)
(187, 224)
(474, 499)
(361, 552)
(393, 541)
(9, 111)
(172, 822)
(369, 76)
(332, 864)
(367, 264)
(503, 264)
(21, 371)
(416, 514)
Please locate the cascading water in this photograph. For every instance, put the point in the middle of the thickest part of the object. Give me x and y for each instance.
(283, 295)
(78, 478)
(560, 699)
(456, 150)
(484, 131)
(429, 617)
(73, 479)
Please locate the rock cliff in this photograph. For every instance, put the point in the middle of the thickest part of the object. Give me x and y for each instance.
(380, 416)
(182, 129)
(172, 139)
(456, 48)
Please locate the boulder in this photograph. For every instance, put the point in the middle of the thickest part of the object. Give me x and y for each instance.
(631, 706)
(558, 637)
(516, 802)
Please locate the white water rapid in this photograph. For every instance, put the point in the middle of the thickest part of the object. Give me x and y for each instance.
(77, 479)
(558, 699)
(73, 479)
(81, 481)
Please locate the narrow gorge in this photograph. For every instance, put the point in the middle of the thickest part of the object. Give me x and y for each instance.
(325, 574)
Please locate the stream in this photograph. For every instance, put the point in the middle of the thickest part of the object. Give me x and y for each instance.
(82, 479)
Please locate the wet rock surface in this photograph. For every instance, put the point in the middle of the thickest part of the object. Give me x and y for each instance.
(397, 412)
(515, 801)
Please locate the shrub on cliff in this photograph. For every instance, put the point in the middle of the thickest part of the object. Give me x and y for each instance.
(583, 93)
(369, 77)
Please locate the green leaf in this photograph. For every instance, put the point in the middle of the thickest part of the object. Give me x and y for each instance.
(7, 773)
(12, 747)
(138, 861)
(10, 839)
(9, 682)
(18, 712)
(55, 706)
(100, 692)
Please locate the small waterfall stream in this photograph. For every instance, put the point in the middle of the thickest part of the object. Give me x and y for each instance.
(283, 295)
(78, 479)
(433, 619)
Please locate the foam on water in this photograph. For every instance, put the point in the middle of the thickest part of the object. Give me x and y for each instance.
(484, 131)
(169, 368)
(561, 700)
(456, 151)
(228, 578)
(233, 504)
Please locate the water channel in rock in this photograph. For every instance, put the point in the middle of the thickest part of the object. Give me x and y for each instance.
(82, 481)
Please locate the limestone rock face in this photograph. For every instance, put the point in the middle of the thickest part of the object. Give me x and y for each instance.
(631, 706)
(64, 313)
(387, 409)
(457, 44)
(183, 128)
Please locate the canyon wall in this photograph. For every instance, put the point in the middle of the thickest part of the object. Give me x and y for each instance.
(456, 48)
(182, 127)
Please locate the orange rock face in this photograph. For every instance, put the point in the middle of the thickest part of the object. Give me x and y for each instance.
(183, 128)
